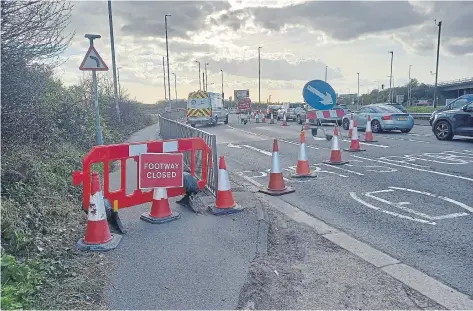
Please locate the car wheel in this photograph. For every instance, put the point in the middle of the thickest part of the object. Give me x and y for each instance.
(405, 130)
(339, 123)
(298, 119)
(226, 120)
(443, 130)
(376, 126)
(346, 124)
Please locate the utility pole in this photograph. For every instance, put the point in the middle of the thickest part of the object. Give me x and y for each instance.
(391, 77)
(203, 81)
(358, 101)
(326, 73)
(175, 86)
(437, 66)
(167, 56)
(206, 78)
(409, 87)
(222, 86)
(164, 74)
(259, 75)
(114, 65)
(199, 74)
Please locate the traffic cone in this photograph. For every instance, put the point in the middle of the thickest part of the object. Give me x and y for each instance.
(263, 120)
(335, 153)
(368, 132)
(350, 127)
(306, 124)
(303, 167)
(225, 203)
(272, 119)
(276, 184)
(284, 121)
(160, 210)
(355, 143)
(97, 235)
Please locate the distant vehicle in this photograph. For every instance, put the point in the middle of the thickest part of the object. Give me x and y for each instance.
(383, 118)
(455, 104)
(339, 110)
(291, 110)
(452, 122)
(205, 108)
(272, 110)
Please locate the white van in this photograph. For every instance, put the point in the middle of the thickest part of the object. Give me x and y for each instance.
(205, 108)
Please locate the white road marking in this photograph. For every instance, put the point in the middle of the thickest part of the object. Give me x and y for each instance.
(259, 150)
(390, 169)
(375, 145)
(233, 146)
(356, 198)
(343, 169)
(416, 168)
(252, 181)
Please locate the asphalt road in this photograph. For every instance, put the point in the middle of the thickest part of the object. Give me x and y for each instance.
(408, 195)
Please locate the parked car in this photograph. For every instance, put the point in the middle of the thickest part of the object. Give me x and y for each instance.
(383, 118)
(398, 106)
(455, 104)
(452, 122)
(291, 110)
(341, 110)
(272, 109)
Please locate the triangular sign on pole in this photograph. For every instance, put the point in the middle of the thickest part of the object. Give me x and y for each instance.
(92, 61)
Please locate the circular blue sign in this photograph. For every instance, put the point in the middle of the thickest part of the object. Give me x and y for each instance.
(319, 95)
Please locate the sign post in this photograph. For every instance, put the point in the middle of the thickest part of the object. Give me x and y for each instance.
(93, 62)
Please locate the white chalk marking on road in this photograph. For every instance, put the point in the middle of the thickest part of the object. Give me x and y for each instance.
(375, 145)
(416, 168)
(233, 146)
(343, 169)
(297, 144)
(356, 198)
(259, 150)
(407, 161)
(390, 169)
(468, 208)
(318, 138)
(253, 182)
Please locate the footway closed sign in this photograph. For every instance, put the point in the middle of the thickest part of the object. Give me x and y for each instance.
(160, 170)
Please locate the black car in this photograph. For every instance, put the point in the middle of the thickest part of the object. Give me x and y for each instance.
(448, 123)
(458, 103)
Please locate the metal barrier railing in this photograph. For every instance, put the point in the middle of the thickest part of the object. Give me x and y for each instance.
(171, 129)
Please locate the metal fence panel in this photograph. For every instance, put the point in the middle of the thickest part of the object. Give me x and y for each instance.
(172, 129)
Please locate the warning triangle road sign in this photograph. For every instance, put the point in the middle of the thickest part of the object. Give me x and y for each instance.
(92, 61)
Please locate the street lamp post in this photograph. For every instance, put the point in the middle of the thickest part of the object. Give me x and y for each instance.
(206, 78)
(358, 94)
(114, 65)
(164, 81)
(222, 86)
(167, 56)
(437, 66)
(391, 77)
(409, 87)
(196, 61)
(259, 75)
(326, 67)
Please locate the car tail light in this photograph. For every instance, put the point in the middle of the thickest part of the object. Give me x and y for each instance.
(387, 117)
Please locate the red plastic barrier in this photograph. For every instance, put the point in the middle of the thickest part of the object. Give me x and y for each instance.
(109, 153)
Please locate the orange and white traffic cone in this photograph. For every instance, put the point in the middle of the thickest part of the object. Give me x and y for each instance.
(276, 184)
(263, 118)
(355, 142)
(306, 124)
(97, 235)
(350, 127)
(225, 203)
(335, 153)
(160, 210)
(303, 167)
(284, 120)
(368, 131)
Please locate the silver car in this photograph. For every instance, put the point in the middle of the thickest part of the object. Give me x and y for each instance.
(383, 118)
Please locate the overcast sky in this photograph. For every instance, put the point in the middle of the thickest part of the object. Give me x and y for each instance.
(298, 39)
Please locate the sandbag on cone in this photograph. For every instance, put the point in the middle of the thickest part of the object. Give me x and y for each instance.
(335, 153)
(350, 127)
(368, 131)
(160, 210)
(97, 234)
(276, 184)
(224, 203)
(355, 142)
(303, 167)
